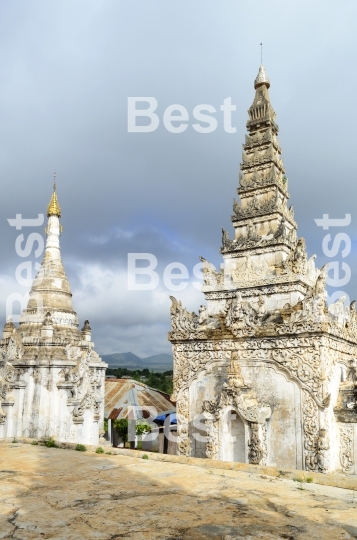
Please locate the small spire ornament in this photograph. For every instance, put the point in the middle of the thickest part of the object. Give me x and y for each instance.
(54, 208)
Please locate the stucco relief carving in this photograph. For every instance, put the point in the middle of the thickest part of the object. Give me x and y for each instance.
(243, 318)
(210, 275)
(182, 413)
(310, 427)
(82, 384)
(256, 207)
(9, 376)
(346, 448)
(89, 401)
(253, 240)
(304, 364)
(300, 358)
(237, 396)
(240, 317)
(4, 388)
(185, 325)
(316, 441)
(256, 452)
(264, 443)
(249, 271)
(213, 442)
(260, 179)
(12, 351)
(73, 352)
(252, 291)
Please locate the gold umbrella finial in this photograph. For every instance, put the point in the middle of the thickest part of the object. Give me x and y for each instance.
(54, 208)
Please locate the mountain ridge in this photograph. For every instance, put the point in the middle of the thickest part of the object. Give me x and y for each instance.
(129, 360)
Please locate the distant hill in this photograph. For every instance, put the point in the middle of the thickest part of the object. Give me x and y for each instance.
(129, 360)
(126, 359)
(159, 362)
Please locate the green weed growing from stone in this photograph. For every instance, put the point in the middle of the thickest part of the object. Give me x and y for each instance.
(50, 443)
(99, 450)
(80, 448)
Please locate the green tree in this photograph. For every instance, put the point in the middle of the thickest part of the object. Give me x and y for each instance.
(156, 380)
(122, 429)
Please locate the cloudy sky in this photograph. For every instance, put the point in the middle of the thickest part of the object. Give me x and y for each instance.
(67, 70)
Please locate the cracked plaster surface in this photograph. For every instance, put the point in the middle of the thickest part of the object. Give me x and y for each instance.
(68, 495)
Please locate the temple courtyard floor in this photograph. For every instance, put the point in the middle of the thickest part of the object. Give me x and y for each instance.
(64, 494)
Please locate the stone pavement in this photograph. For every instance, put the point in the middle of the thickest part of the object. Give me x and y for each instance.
(63, 494)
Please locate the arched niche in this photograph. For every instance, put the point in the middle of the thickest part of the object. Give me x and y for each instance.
(284, 437)
(233, 437)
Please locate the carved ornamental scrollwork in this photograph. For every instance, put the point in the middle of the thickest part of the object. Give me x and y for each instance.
(182, 413)
(256, 452)
(316, 442)
(347, 448)
(311, 429)
(213, 442)
(88, 402)
(237, 396)
(185, 325)
(9, 376)
(82, 383)
(300, 358)
(304, 364)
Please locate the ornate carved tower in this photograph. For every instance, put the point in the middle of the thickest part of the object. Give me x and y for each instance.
(265, 319)
(51, 380)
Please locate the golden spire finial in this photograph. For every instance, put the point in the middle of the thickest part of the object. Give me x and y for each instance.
(53, 208)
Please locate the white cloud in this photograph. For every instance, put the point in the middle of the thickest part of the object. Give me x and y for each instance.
(123, 319)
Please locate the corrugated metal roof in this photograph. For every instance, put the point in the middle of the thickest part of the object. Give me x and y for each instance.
(121, 393)
(114, 414)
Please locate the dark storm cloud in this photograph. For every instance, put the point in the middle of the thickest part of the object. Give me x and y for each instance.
(66, 71)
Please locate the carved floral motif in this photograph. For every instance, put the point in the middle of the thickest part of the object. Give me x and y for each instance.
(83, 384)
(182, 413)
(346, 448)
(316, 441)
(256, 452)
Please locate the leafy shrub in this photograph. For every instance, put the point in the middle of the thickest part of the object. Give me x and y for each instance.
(122, 429)
(142, 427)
(50, 443)
(80, 448)
(99, 450)
(145, 456)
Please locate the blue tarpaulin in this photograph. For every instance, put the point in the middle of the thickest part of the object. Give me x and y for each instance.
(162, 418)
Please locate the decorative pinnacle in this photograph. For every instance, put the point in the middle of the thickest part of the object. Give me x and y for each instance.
(261, 78)
(54, 208)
